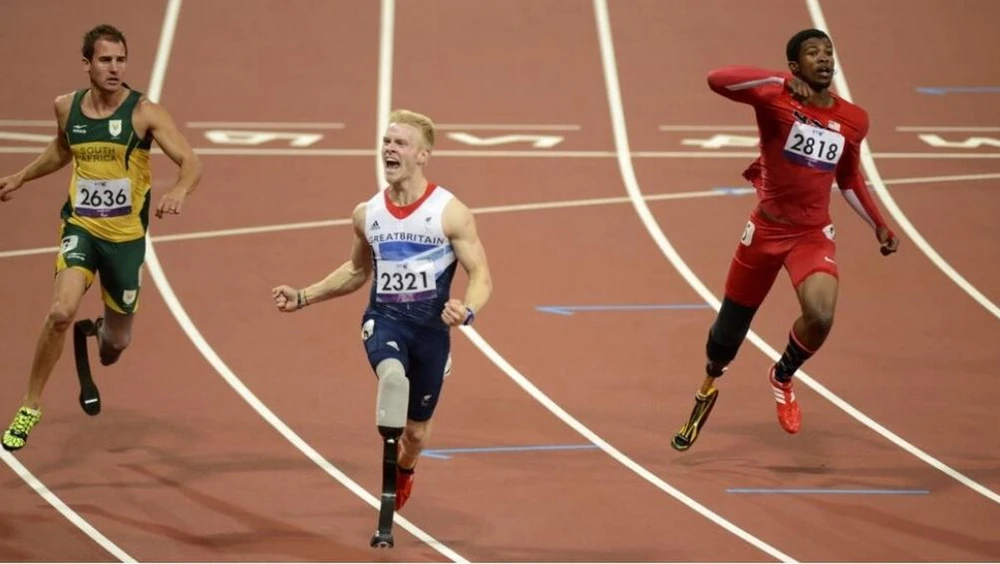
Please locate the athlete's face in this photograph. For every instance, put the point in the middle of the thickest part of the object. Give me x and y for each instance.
(815, 64)
(402, 151)
(107, 67)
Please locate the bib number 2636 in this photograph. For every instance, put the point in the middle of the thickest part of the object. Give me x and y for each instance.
(103, 198)
(405, 281)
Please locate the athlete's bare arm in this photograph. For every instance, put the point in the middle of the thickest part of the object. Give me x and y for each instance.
(155, 119)
(56, 155)
(347, 278)
(460, 228)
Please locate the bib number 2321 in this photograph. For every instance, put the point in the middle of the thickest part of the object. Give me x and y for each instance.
(813, 146)
(405, 281)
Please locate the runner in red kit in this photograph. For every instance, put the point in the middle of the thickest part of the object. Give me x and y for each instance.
(808, 138)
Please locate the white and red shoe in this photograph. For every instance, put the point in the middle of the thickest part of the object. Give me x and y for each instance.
(789, 415)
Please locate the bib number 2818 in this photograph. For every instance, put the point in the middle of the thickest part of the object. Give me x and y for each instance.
(813, 146)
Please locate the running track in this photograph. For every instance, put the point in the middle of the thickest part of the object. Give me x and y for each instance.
(181, 467)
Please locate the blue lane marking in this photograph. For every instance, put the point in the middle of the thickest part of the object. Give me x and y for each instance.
(942, 90)
(569, 310)
(824, 491)
(445, 453)
(734, 190)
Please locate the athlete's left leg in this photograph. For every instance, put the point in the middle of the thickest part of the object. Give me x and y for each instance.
(430, 364)
(114, 334)
(812, 267)
(121, 279)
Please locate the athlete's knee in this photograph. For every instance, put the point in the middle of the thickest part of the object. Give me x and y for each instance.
(416, 432)
(727, 333)
(61, 315)
(818, 316)
(115, 341)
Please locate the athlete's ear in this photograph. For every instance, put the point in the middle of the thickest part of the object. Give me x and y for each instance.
(794, 67)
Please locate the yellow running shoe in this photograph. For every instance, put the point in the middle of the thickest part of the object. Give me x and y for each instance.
(15, 437)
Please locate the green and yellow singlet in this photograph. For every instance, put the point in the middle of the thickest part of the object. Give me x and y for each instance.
(109, 191)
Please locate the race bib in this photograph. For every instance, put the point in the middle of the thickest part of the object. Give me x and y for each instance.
(407, 281)
(103, 198)
(813, 146)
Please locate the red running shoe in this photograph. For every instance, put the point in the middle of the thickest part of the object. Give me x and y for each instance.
(789, 414)
(404, 485)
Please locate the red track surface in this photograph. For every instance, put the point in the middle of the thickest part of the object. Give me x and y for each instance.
(179, 467)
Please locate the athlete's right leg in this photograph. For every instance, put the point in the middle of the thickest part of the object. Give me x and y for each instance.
(752, 272)
(387, 345)
(70, 286)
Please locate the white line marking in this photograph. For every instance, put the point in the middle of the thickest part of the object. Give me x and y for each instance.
(507, 127)
(868, 162)
(632, 186)
(628, 173)
(383, 103)
(64, 509)
(478, 154)
(27, 123)
(18, 136)
(340, 222)
(28, 252)
(937, 179)
(946, 128)
(289, 125)
(719, 128)
(270, 228)
(537, 126)
(174, 304)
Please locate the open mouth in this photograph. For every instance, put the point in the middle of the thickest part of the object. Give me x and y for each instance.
(824, 72)
(391, 163)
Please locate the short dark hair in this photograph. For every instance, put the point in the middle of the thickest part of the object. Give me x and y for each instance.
(103, 31)
(795, 43)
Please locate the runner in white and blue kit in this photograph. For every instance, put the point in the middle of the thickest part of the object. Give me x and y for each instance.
(413, 266)
(409, 240)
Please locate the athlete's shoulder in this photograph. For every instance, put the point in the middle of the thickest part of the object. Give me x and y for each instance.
(148, 109)
(63, 105)
(376, 199)
(854, 115)
(358, 216)
(457, 218)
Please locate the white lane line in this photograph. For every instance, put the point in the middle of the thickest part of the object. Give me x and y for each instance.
(199, 341)
(573, 203)
(868, 162)
(383, 102)
(525, 127)
(718, 128)
(612, 87)
(489, 153)
(287, 125)
(632, 186)
(27, 123)
(60, 506)
(947, 128)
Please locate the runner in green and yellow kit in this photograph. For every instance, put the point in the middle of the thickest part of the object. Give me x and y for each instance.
(106, 131)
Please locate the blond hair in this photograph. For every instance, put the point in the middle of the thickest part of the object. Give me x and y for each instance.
(420, 121)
